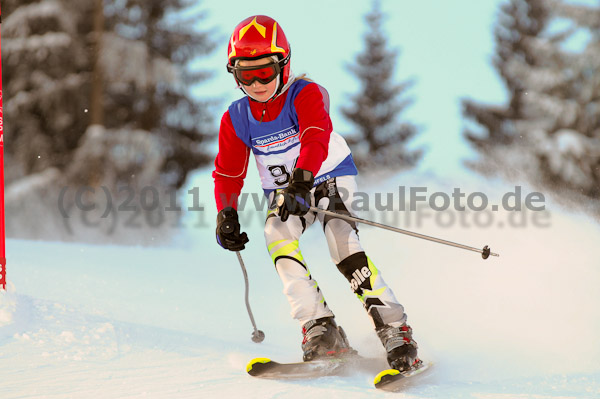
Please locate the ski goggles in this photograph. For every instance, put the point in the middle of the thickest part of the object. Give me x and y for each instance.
(261, 73)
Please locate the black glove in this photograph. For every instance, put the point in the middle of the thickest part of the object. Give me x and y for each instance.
(295, 198)
(228, 230)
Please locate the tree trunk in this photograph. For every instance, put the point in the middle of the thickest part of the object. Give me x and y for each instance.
(96, 103)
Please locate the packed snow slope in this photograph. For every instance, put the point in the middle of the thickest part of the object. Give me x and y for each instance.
(98, 321)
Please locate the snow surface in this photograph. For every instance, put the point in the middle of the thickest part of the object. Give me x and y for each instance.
(98, 321)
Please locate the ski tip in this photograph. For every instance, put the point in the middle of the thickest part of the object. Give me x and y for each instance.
(259, 360)
(392, 380)
(384, 376)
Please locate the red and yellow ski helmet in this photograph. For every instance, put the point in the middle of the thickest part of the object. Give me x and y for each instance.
(256, 37)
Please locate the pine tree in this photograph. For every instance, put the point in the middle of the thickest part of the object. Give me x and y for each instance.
(520, 23)
(45, 66)
(549, 130)
(97, 94)
(572, 158)
(55, 54)
(381, 139)
(146, 56)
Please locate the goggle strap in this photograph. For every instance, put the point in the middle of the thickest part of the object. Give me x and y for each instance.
(283, 62)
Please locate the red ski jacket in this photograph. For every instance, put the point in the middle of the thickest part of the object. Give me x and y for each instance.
(231, 163)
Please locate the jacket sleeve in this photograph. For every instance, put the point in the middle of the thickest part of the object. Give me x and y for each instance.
(231, 165)
(312, 108)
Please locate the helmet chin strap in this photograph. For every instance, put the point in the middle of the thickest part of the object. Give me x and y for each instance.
(289, 82)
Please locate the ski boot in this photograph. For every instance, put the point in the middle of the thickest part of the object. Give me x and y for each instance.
(400, 347)
(322, 338)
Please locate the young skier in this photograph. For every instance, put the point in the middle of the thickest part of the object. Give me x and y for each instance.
(284, 121)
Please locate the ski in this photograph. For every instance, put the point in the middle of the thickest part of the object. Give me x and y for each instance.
(266, 368)
(263, 367)
(392, 380)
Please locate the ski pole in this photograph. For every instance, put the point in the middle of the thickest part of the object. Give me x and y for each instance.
(257, 336)
(485, 252)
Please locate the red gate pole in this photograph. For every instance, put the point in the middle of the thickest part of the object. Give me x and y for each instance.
(2, 227)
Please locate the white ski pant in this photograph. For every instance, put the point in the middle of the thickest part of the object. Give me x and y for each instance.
(302, 291)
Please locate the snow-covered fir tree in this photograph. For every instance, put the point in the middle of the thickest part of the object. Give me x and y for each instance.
(146, 54)
(548, 56)
(381, 138)
(97, 94)
(141, 51)
(46, 81)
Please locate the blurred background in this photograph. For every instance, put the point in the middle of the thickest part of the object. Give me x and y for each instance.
(114, 105)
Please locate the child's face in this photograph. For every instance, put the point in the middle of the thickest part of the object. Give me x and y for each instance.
(259, 91)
